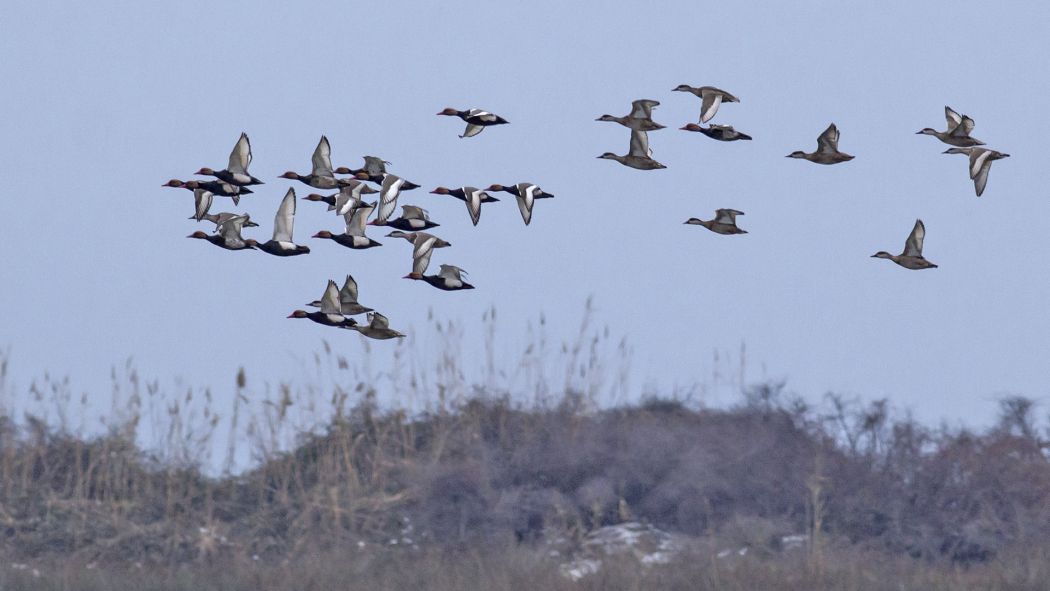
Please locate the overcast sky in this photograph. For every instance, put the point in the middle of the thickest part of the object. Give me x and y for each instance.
(104, 101)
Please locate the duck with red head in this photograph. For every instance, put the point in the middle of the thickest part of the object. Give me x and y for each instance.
(472, 196)
(321, 175)
(477, 120)
(449, 278)
(330, 313)
(722, 133)
(236, 172)
(526, 195)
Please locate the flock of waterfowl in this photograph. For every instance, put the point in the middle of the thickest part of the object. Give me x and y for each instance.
(337, 305)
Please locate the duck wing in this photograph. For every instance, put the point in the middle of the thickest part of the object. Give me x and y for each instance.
(526, 198)
(422, 248)
(473, 197)
(283, 221)
(643, 108)
(727, 216)
(330, 299)
(377, 320)
(913, 245)
(472, 130)
(640, 144)
(964, 128)
(202, 201)
(375, 165)
(230, 230)
(953, 119)
(412, 212)
(356, 219)
(388, 193)
(829, 140)
(451, 272)
(322, 158)
(241, 156)
(711, 101)
(348, 294)
(980, 165)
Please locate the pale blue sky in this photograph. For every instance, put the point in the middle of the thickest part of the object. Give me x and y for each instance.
(104, 101)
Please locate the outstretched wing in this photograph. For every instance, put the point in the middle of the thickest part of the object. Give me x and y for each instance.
(913, 245)
(412, 212)
(472, 130)
(727, 216)
(389, 191)
(422, 248)
(241, 156)
(375, 166)
(829, 140)
(322, 158)
(709, 106)
(202, 201)
(953, 118)
(377, 320)
(640, 144)
(330, 299)
(348, 294)
(964, 128)
(282, 222)
(643, 109)
(451, 272)
(356, 219)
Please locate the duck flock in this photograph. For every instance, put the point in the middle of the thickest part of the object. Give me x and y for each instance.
(338, 305)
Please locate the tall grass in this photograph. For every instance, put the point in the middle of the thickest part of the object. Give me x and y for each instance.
(465, 482)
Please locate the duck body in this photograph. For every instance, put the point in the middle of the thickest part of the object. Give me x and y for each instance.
(222, 217)
(980, 164)
(349, 241)
(323, 182)
(827, 149)
(378, 328)
(633, 122)
(443, 283)
(724, 222)
(409, 225)
(722, 133)
(223, 243)
(637, 162)
(283, 249)
(476, 119)
(473, 197)
(912, 257)
(334, 320)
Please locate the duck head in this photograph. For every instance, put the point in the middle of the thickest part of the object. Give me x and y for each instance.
(173, 183)
(926, 131)
(361, 176)
(694, 222)
(298, 314)
(682, 88)
(400, 234)
(198, 234)
(343, 170)
(314, 197)
(495, 188)
(882, 254)
(440, 191)
(449, 111)
(206, 171)
(252, 243)
(797, 154)
(290, 175)
(691, 127)
(957, 151)
(413, 276)
(322, 234)
(609, 156)
(607, 118)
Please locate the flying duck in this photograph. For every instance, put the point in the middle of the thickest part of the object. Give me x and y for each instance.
(639, 156)
(477, 120)
(724, 222)
(912, 257)
(348, 305)
(958, 133)
(281, 244)
(349, 195)
(412, 218)
(389, 189)
(202, 199)
(236, 172)
(711, 98)
(378, 328)
(827, 149)
(980, 163)
(449, 278)
(229, 236)
(354, 237)
(322, 176)
(375, 168)
(526, 194)
(640, 117)
(220, 188)
(472, 196)
(722, 133)
(330, 313)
